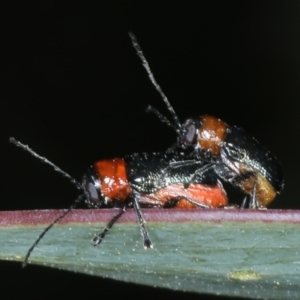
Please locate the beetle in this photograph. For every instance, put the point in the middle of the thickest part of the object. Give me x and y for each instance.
(235, 156)
(109, 183)
(135, 181)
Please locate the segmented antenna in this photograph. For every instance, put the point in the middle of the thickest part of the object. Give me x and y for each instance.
(74, 205)
(177, 124)
(48, 162)
(162, 118)
(57, 169)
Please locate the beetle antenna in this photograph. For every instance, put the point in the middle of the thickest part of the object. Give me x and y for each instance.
(77, 201)
(161, 117)
(154, 82)
(48, 162)
(65, 174)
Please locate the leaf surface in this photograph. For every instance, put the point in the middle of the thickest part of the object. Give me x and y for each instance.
(225, 252)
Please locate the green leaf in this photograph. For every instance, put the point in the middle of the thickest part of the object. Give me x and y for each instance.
(228, 252)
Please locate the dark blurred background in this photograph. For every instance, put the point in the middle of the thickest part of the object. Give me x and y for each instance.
(74, 90)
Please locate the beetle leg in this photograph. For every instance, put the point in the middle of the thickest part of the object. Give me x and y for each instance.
(244, 202)
(251, 197)
(198, 172)
(100, 236)
(141, 220)
(253, 203)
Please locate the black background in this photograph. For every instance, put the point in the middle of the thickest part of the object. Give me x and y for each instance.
(73, 88)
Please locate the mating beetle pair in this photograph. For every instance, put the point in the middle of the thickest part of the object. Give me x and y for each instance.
(229, 151)
(188, 175)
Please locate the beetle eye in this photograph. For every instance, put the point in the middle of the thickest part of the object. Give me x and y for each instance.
(188, 132)
(92, 191)
(91, 185)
